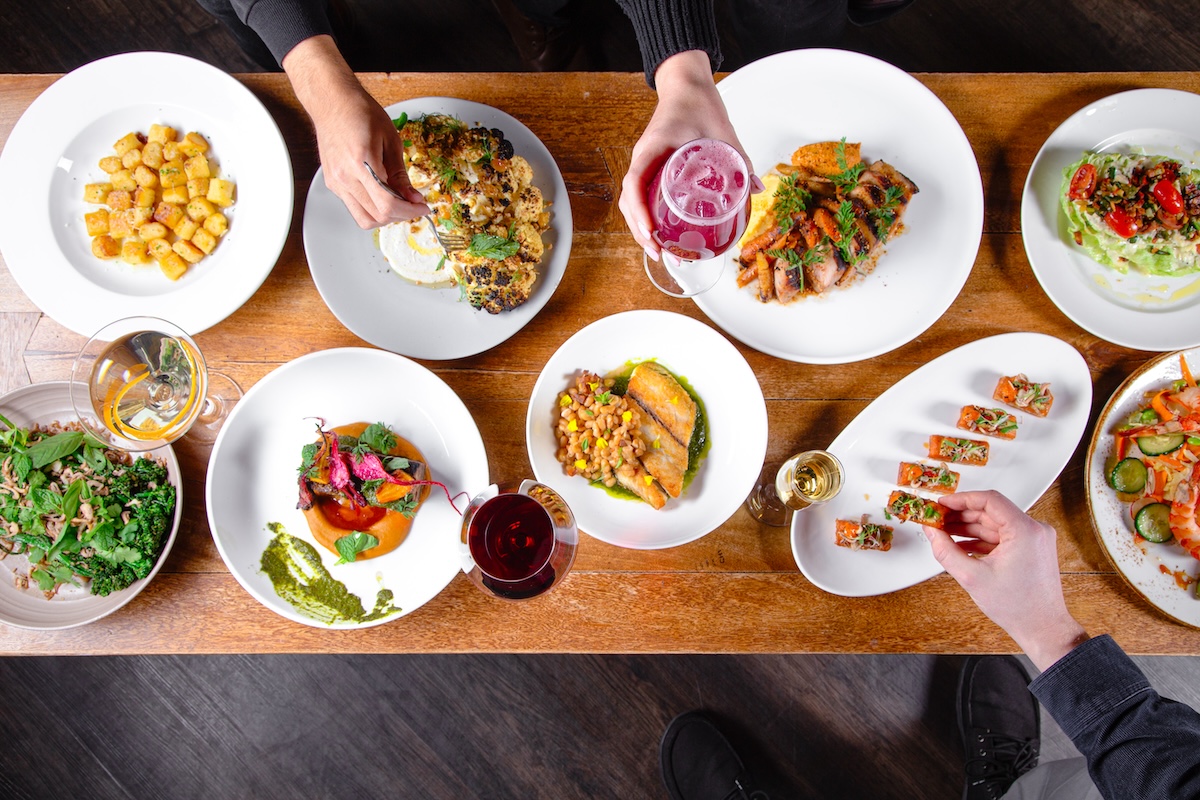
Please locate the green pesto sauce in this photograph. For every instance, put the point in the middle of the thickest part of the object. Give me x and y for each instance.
(295, 569)
(697, 449)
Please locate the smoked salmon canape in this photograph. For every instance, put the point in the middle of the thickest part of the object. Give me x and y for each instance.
(906, 507)
(958, 451)
(988, 421)
(931, 477)
(863, 535)
(1020, 393)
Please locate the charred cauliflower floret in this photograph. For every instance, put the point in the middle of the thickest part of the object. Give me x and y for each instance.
(529, 205)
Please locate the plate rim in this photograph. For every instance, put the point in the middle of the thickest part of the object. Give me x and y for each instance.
(551, 272)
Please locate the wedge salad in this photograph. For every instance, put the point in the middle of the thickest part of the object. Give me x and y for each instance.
(1135, 210)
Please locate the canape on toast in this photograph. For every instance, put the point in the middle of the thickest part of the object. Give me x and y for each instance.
(1023, 394)
(988, 421)
(640, 440)
(933, 477)
(958, 451)
(828, 217)
(863, 535)
(907, 507)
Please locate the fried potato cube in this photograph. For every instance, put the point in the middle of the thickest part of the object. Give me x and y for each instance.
(204, 240)
(171, 174)
(133, 251)
(217, 224)
(105, 247)
(188, 251)
(159, 249)
(123, 179)
(198, 208)
(153, 230)
(144, 197)
(152, 155)
(161, 133)
(118, 225)
(193, 144)
(177, 195)
(171, 151)
(145, 176)
(131, 158)
(110, 164)
(138, 216)
(128, 142)
(196, 167)
(96, 192)
(220, 192)
(186, 228)
(173, 266)
(97, 222)
(168, 214)
(119, 200)
(197, 187)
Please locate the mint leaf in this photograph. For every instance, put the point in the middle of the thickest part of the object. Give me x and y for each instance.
(495, 248)
(401, 120)
(378, 437)
(350, 546)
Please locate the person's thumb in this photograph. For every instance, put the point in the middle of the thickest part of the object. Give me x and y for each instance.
(952, 557)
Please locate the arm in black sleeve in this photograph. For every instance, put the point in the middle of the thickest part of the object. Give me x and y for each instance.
(667, 27)
(280, 24)
(1137, 744)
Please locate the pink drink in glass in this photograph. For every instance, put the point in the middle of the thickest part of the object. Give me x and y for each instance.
(698, 200)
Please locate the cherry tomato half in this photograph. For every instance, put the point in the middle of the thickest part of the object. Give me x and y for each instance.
(1083, 182)
(1122, 224)
(1168, 197)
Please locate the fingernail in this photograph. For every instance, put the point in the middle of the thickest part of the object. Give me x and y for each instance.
(653, 256)
(756, 184)
(644, 231)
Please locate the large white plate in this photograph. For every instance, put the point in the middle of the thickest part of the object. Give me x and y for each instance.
(1133, 310)
(252, 471)
(733, 404)
(379, 306)
(898, 120)
(44, 403)
(895, 428)
(1151, 569)
(54, 149)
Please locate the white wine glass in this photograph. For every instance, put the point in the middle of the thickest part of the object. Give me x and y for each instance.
(805, 479)
(141, 383)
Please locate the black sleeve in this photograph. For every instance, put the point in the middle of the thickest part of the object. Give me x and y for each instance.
(667, 27)
(281, 24)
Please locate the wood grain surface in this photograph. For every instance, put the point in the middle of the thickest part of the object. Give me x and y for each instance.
(735, 590)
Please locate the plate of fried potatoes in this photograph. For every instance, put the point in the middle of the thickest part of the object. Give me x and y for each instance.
(149, 184)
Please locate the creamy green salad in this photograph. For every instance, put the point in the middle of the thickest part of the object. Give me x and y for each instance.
(1135, 210)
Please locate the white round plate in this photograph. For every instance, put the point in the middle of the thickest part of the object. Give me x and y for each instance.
(54, 150)
(733, 405)
(1144, 312)
(44, 403)
(252, 471)
(902, 123)
(1155, 571)
(896, 427)
(379, 306)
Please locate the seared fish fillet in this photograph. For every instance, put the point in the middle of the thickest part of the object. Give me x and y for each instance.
(654, 389)
(633, 477)
(665, 458)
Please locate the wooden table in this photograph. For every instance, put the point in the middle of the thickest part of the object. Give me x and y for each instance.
(735, 590)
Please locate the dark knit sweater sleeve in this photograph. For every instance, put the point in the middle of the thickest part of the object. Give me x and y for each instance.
(667, 27)
(283, 24)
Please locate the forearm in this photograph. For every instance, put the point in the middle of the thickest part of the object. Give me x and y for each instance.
(667, 27)
(1137, 744)
(319, 75)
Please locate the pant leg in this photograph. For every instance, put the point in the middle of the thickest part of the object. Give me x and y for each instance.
(1066, 779)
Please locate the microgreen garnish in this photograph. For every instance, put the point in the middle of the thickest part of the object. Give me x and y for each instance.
(494, 248)
(847, 179)
(790, 200)
(350, 546)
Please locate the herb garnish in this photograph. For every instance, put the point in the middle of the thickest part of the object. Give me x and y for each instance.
(847, 179)
(494, 248)
(790, 199)
(401, 121)
(350, 546)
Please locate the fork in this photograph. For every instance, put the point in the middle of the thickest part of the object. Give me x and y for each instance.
(450, 241)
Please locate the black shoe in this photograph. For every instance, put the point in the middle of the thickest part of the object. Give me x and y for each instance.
(999, 722)
(699, 763)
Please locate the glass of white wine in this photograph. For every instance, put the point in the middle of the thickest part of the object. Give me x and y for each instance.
(140, 383)
(805, 479)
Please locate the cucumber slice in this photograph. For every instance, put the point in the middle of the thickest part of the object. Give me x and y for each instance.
(1129, 475)
(1160, 444)
(1153, 522)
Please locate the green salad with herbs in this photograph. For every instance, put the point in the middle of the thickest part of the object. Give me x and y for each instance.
(79, 513)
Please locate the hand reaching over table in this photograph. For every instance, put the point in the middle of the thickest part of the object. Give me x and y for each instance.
(689, 107)
(351, 129)
(1008, 564)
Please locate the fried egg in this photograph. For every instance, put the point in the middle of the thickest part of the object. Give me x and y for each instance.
(412, 250)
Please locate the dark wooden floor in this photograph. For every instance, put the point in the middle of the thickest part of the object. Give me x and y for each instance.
(510, 726)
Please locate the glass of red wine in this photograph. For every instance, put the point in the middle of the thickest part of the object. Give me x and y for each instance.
(699, 203)
(518, 543)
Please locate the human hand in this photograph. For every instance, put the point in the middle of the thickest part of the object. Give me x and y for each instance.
(352, 129)
(1008, 564)
(689, 107)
